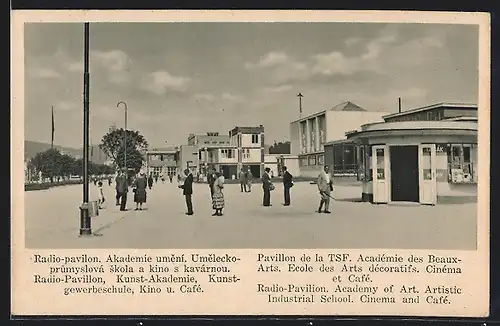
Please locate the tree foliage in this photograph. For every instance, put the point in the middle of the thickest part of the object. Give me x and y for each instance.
(280, 148)
(112, 144)
(52, 163)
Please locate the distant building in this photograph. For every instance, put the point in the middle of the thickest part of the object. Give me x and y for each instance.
(161, 161)
(309, 135)
(241, 148)
(188, 158)
(250, 148)
(210, 139)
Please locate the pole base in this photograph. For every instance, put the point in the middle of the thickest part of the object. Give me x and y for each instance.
(85, 232)
(85, 226)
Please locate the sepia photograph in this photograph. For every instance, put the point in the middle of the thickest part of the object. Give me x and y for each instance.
(245, 135)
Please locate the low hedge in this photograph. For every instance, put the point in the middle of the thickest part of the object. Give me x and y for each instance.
(47, 185)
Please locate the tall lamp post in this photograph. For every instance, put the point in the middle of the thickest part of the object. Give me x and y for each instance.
(124, 134)
(300, 96)
(85, 226)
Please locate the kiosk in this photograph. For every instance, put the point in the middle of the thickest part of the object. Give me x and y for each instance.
(417, 161)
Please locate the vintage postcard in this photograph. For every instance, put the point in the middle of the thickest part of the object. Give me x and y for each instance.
(250, 163)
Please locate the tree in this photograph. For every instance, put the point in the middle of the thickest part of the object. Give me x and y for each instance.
(135, 159)
(66, 163)
(112, 144)
(49, 163)
(280, 148)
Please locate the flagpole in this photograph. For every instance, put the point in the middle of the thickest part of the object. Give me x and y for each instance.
(53, 130)
(85, 226)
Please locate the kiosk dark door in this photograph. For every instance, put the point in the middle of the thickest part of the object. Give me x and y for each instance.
(404, 173)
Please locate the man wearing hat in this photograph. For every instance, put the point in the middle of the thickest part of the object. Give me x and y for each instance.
(187, 191)
(121, 190)
(325, 187)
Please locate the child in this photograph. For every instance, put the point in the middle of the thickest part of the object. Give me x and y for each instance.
(101, 195)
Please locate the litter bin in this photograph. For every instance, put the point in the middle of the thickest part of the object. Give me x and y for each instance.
(93, 208)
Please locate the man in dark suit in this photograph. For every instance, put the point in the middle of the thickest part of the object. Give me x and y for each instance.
(187, 191)
(287, 184)
(211, 181)
(266, 186)
(122, 190)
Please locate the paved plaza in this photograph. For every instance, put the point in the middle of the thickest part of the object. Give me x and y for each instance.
(52, 221)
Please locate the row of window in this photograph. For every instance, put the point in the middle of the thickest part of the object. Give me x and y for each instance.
(461, 162)
(313, 142)
(163, 157)
(215, 142)
(255, 140)
(312, 160)
(423, 116)
(227, 153)
(158, 170)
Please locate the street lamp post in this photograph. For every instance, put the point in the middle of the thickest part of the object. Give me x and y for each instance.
(124, 134)
(300, 96)
(85, 224)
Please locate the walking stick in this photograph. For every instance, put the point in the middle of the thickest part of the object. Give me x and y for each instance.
(322, 192)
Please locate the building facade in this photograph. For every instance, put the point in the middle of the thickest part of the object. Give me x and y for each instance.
(188, 158)
(426, 155)
(249, 149)
(309, 135)
(161, 161)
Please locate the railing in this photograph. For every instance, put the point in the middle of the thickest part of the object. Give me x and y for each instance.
(345, 168)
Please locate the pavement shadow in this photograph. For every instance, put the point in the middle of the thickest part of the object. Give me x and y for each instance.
(108, 225)
(285, 213)
(349, 200)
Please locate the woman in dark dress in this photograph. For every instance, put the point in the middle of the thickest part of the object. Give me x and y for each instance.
(140, 185)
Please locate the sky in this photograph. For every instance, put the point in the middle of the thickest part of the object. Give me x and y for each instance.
(181, 78)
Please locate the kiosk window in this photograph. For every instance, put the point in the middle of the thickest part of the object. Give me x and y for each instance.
(360, 152)
(364, 166)
(426, 163)
(380, 164)
(462, 164)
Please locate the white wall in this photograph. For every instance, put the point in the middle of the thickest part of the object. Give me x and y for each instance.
(340, 122)
(233, 140)
(294, 139)
(450, 189)
(246, 141)
(273, 167)
(255, 154)
(292, 165)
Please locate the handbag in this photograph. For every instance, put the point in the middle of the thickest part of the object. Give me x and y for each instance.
(271, 187)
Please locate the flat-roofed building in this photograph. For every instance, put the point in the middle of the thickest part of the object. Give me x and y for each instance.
(309, 135)
(161, 161)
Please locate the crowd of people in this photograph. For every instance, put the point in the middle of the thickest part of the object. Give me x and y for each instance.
(215, 181)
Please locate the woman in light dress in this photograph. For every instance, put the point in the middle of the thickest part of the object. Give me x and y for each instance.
(218, 197)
